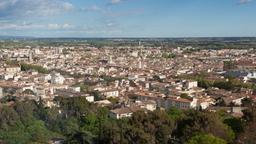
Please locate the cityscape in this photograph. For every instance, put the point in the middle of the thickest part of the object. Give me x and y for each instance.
(132, 81)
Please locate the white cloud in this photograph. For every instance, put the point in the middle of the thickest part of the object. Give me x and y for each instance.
(244, 1)
(4, 4)
(67, 26)
(31, 26)
(92, 8)
(19, 8)
(24, 26)
(115, 1)
(60, 26)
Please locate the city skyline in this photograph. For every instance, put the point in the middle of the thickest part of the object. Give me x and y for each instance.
(128, 18)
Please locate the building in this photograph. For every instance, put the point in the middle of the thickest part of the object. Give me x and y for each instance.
(89, 98)
(177, 102)
(13, 69)
(148, 105)
(110, 93)
(190, 84)
(103, 103)
(123, 112)
(57, 78)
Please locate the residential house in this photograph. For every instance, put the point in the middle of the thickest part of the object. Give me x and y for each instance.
(123, 112)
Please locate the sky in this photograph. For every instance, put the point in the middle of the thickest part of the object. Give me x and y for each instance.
(128, 18)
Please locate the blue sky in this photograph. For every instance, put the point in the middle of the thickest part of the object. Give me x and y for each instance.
(128, 18)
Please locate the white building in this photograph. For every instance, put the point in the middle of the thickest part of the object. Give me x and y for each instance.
(123, 112)
(57, 78)
(13, 69)
(149, 104)
(90, 98)
(191, 84)
(238, 101)
(110, 93)
(178, 102)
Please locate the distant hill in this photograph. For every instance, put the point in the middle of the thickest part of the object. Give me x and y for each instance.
(2, 37)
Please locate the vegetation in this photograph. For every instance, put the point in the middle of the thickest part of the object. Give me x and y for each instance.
(26, 67)
(168, 55)
(77, 121)
(206, 139)
(186, 96)
(229, 65)
(229, 83)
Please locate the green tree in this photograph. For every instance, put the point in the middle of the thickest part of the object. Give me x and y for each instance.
(80, 137)
(205, 139)
(203, 122)
(175, 113)
(236, 124)
(38, 131)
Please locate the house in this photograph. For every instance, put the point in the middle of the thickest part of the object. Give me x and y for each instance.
(190, 84)
(165, 102)
(123, 112)
(57, 78)
(150, 105)
(13, 69)
(89, 98)
(177, 102)
(103, 103)
(7, 76)
(238, 100)
(110, 93)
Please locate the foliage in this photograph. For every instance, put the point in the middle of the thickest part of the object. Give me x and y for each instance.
(206, 139)
(248, 135)
(229, 65)
(77, 121)
(168, 55)
(230, 84)
(18, 125)
(185, 96)
(203, 122)
(175, 113)
(236, 124)
(40, 69)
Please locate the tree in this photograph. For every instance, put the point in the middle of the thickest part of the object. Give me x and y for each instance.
(204, 83)
(185, 96)
(205, 139)
(40, 69)
(247, 102)
(74, 106)
(26, 110)
(157, 123)
(236, 124)
(69, 126)
(38, 132)
(203, 122)
(8, 118)
(80, 137)
(175, 113)
(248, 135)
(229, 65)
(90, 123)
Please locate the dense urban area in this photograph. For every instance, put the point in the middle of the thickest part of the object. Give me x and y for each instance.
(128, 91)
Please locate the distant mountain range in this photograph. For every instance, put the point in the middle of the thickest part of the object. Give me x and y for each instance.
(15, 37)
(2, 37)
